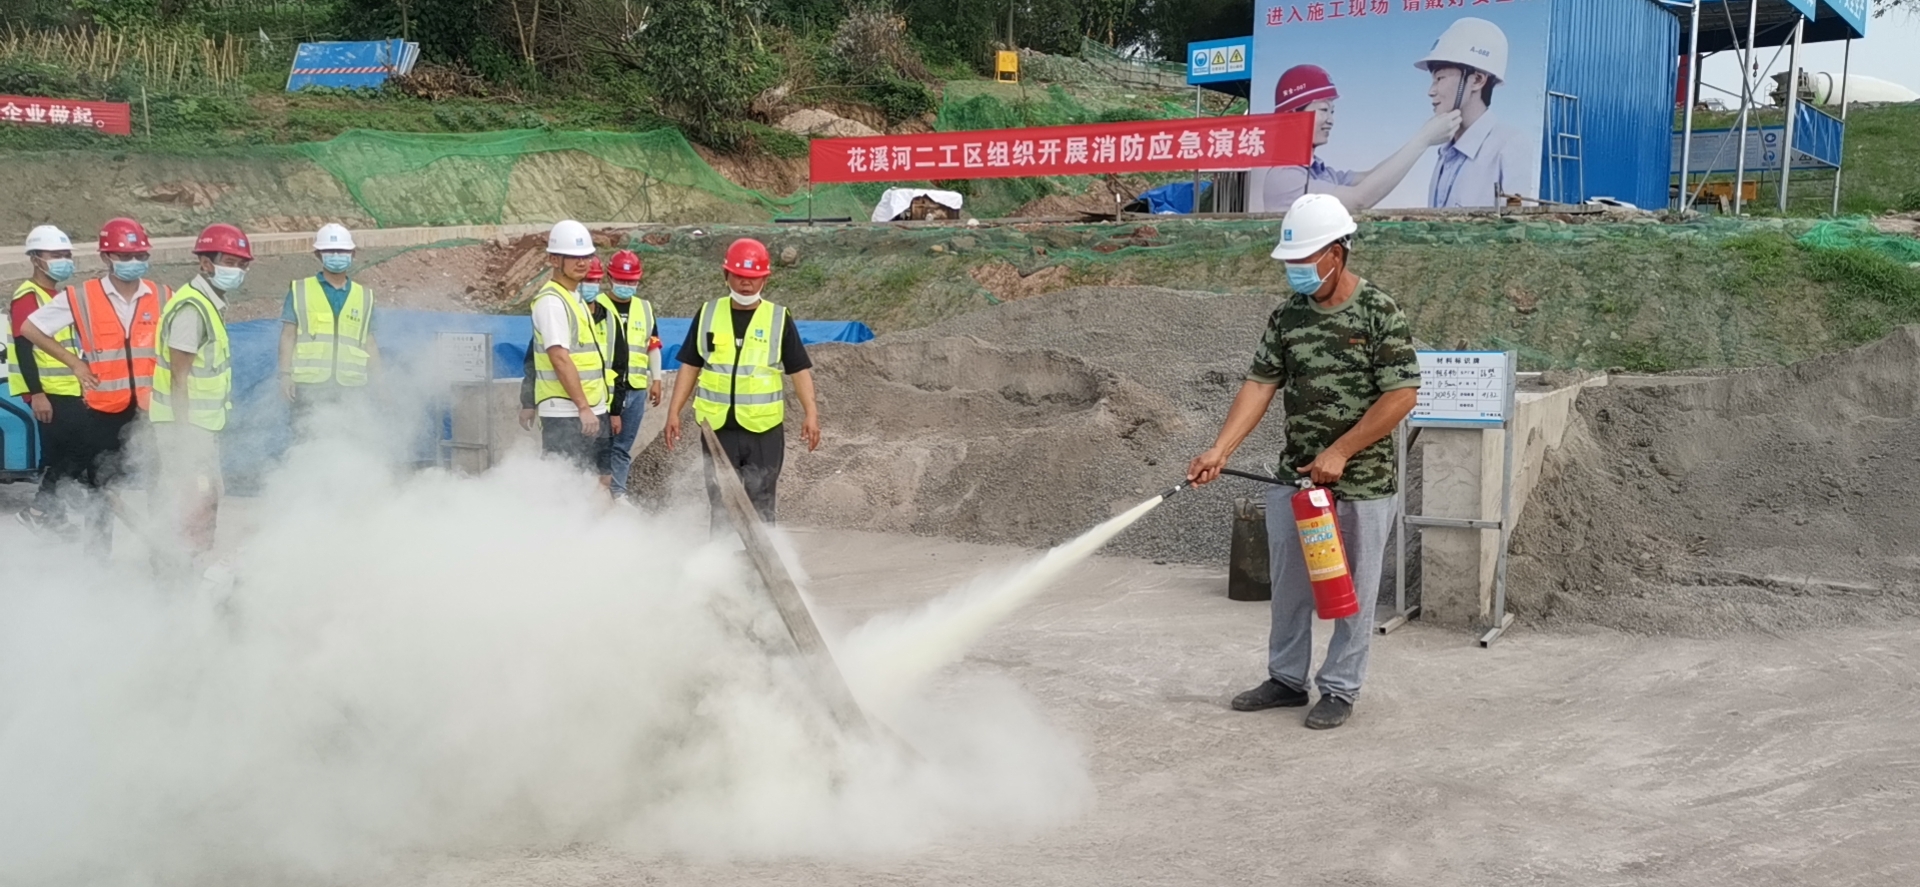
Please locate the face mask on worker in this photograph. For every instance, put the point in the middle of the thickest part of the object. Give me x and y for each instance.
(129, 270)
(745, 301)
(625, 291)
(59, 270)
(589, 290)
(337, 263)
(227, 279)
(1306, 278)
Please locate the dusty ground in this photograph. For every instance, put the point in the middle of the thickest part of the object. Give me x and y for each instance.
(1554, 758)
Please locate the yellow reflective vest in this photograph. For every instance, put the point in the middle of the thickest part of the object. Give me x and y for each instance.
(55, 377)
(743, 369)
(639, 333)
(210, 382)
(589, 352)
(326, 347)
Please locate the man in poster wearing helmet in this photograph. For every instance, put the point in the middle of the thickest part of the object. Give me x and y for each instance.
(1343, 352)
(734, 358)
(1486, 157)
(191, 385)
(104, 382)
(1308, 88)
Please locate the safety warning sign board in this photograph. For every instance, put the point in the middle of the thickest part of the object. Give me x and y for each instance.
(1220, 61)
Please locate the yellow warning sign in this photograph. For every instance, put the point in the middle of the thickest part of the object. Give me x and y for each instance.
(1220, 58)
(1238, 61)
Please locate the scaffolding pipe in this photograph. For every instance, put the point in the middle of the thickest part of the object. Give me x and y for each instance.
(1693, 98)
(1846, 60)
(1793, 104)
(1746, 101)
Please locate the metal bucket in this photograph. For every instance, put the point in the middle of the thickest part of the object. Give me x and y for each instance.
(1249, 575)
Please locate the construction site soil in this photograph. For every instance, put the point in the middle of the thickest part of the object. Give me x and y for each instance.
(1767, 499)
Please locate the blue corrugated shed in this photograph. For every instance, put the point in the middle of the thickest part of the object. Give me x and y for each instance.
(1618, 60)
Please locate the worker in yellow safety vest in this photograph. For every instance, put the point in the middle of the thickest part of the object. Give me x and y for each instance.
(51, 253)
(572, 380)
(736, 354)
(191, 385)
(327, 348)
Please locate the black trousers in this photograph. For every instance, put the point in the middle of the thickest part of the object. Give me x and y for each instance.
(88, 447)
(758, 457)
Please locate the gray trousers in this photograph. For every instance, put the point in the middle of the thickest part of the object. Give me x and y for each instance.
(1364, 528)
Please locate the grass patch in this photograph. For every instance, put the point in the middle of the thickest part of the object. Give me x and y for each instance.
(1870, 295)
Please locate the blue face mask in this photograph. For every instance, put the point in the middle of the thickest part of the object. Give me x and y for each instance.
(337, 263)
(1305, 279)
(226, 279)
(130, 271)
(60, 269)
(625, 291)
(589, 291)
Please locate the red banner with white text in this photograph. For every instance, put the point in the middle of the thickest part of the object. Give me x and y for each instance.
(1202, 143)
(108, 117)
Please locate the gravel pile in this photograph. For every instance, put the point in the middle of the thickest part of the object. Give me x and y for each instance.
(1031, 422)
(1772, 499)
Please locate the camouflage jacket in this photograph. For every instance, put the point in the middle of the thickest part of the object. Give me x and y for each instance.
(1332, 366)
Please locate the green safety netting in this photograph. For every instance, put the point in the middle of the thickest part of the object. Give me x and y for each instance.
(406, 179)
(1859, 233)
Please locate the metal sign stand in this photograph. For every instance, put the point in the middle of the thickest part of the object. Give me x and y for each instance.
(466, 364)
(1432, 412)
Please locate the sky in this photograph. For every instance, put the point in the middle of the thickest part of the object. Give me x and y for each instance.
(1887, 52)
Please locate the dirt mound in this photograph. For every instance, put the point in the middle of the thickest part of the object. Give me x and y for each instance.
(1031, 422)
(1770, 499)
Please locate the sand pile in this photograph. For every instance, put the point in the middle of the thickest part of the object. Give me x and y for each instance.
(1030, 422)
(1770, 499)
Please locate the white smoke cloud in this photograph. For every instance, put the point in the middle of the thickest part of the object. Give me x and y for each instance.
(416, 665)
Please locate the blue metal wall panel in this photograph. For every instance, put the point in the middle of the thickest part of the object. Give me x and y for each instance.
(1621, 59)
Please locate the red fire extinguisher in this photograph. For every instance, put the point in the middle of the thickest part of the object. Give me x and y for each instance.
(1325, 553)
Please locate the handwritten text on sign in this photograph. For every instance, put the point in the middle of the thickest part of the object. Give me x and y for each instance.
(107, 117)
(1463, 386)
(1138, 146)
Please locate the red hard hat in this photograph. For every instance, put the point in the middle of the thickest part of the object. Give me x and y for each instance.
(624, 266)
(1300, 86)
(123, 236)
(224, 238)
(595, 270)
(748, 258)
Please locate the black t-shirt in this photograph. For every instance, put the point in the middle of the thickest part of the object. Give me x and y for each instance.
(793, 354)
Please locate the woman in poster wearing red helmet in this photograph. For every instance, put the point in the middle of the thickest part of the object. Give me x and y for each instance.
(1308, 88)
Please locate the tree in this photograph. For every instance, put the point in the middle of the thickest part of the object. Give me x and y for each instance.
(698, 70)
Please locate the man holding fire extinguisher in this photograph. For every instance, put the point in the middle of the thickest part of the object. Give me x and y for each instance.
(1341, 350)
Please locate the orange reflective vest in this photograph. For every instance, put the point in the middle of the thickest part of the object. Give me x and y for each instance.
(122, 359)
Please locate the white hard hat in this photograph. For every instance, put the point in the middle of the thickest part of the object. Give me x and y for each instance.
(1313, 221)
(333, 238)
(49, 239)
(570, 238)
(1473, 42)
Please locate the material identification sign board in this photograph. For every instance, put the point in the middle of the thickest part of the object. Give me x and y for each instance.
(1220, 61)
(465, 357)
(1463, 388)
(1179, 145)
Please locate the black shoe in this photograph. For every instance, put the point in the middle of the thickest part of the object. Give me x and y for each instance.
(1271, 694)
(1330, 712)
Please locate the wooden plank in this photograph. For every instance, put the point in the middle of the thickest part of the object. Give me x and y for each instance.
(782, 589)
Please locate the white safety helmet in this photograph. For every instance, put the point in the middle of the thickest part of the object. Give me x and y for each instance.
(570, 238)
(333, 238)
(1473, 42)
(1313, 221)
(48, 239)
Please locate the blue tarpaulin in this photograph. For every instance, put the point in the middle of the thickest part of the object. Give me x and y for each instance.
(259, 426)
(363, 65)
(1176, 198)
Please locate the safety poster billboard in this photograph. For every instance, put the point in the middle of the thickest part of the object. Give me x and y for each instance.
(1418, 103)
